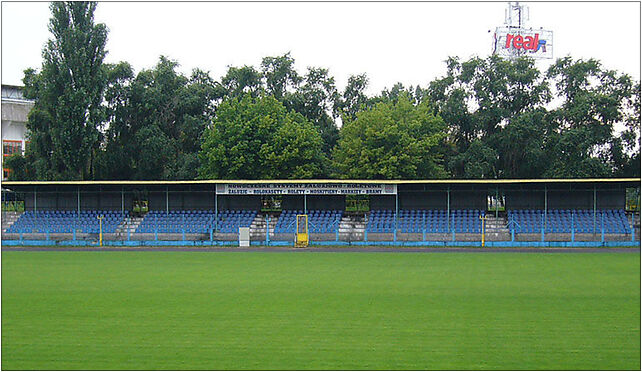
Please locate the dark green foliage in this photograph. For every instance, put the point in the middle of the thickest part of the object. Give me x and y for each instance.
(68, 92)
(478, 99)
(521, 145)
(354, 98)
(595, 100)
(241, 80)
(20, 166)
(279, 75)
(316, 99)
(157, 120)
(501, 126)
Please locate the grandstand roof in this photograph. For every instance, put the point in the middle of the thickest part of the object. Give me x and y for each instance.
(399, 182)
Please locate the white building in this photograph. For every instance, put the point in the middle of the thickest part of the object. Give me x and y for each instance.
(15, 109)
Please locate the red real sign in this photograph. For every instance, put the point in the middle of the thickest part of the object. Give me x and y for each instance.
(527, 42)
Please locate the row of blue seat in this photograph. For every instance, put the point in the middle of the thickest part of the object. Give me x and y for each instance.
(429, 221)
(191, 221)
(54, 221)
(319, 221)
(567, 221)
(326, 221)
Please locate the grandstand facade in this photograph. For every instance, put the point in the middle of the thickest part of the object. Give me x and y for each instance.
(416, 212)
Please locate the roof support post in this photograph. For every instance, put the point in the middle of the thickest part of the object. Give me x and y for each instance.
(396, 213)
(78, 193)
(496, 201)
(594, 208)
(448, 208)
(573, 226)
(215, 210)
(545, 206)
(166, 199)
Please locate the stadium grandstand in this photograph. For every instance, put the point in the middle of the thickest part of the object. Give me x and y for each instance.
(580, 212)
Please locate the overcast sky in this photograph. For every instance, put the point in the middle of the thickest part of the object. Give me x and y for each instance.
(391, 42)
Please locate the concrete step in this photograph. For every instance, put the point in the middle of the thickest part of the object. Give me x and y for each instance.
(129, 224)
(352, 227)
(8, 219)
(259, 224)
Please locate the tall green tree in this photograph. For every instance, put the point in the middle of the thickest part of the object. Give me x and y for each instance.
(259, 138)
(416, 94)
(354, 98)
(64, 125)
(392, 141)
(316, 99)
(156, 122)
(521, 145)
(241, 80)
(594, 100)
(279, 75)
(478, 98)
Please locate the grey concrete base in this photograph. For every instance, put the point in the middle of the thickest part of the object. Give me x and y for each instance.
(568, 237)
(373, 237)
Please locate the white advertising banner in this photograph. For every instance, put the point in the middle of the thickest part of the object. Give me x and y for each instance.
(512, 41)
(306, 189)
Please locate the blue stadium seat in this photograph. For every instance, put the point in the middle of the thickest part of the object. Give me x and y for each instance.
(565, 220)
(420, 220)
(195, 221)
(56, 221)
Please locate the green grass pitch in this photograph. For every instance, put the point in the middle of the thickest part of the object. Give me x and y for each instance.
(251, 310)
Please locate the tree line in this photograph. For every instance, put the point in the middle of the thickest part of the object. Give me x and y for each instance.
(486, 118)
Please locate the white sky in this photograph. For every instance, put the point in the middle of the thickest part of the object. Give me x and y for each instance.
(391, 42)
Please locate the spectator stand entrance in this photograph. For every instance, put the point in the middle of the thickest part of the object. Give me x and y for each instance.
(534, 213)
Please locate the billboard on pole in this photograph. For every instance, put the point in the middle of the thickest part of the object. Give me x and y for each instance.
(512, 42)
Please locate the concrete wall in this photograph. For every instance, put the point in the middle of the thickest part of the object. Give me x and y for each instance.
(576, 199)
(611, 199)
(423, 200)
(237, 202)
(157, 201)
(382, 202)
(330, 202)
(16, 109)
(524, 199)
(566, 199)
(67, 201)
(460, 199)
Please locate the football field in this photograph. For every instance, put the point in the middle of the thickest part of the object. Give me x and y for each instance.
(318, 310)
